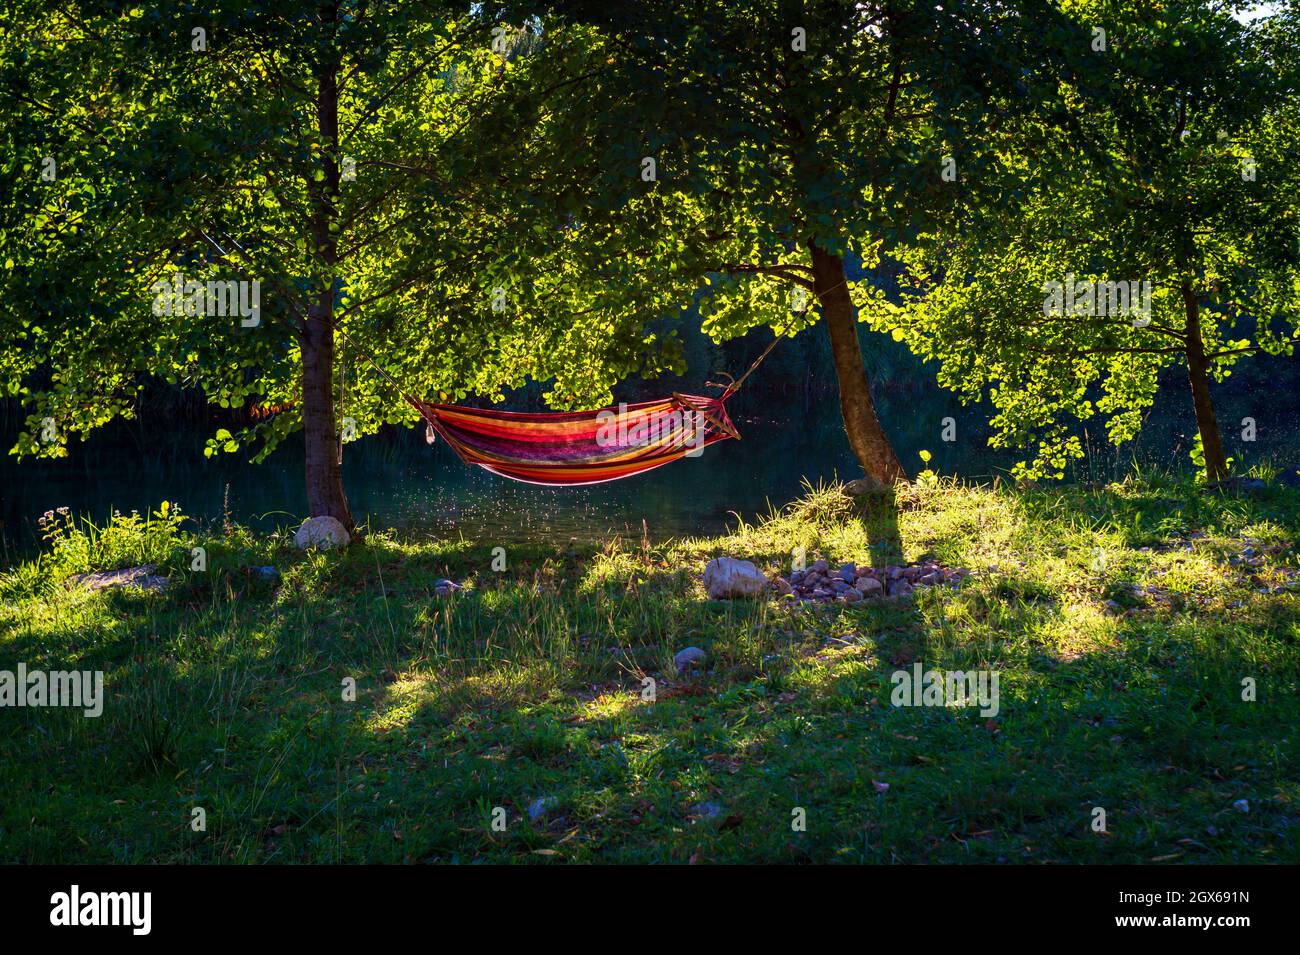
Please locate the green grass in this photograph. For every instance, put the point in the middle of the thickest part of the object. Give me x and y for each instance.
(225, 693)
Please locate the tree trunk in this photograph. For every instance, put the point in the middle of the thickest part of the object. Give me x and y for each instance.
(870, 445)
(1216, 464)
(325, 495)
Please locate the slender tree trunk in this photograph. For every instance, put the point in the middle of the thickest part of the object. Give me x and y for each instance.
(325, 494)
(870, 445)
(1216, 464)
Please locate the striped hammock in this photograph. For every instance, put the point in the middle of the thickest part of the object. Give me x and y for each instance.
(582, 447)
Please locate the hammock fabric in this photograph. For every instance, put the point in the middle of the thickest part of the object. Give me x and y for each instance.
(583, 447)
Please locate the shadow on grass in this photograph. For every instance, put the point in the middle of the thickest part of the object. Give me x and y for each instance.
(525, 693)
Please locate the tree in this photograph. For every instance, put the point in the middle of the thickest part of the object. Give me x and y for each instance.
(1161, 224)
(752, 147)
(212, 193)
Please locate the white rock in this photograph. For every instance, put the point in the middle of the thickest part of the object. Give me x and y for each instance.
(727, 577)
(324, 532)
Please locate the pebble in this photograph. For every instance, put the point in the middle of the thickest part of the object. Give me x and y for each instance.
(685, 659)
(850, 583)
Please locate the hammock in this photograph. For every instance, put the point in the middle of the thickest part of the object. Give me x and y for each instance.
(566, 449)
(583, 447)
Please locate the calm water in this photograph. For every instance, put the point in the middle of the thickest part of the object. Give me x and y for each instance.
(396, 480)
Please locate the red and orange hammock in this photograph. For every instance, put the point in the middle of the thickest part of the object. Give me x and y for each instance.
(581, 447)
(566, 449)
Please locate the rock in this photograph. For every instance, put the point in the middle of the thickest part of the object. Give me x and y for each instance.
(847, 573)
(1241, 485)
(852, 595)
(838, 585)
(142, 577)
(860, 486)
(900, 588)
(1241, 805)
(726, 577)
(706, 810)
(893, 573)
(869, 587)
(540, 807)
(323, 532)
(782, 586)
(820, 567)
(442, 587)
(798, 576)
(685, 659)
(268, 573)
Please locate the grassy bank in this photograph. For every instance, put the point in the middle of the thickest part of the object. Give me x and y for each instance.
(1121, 621)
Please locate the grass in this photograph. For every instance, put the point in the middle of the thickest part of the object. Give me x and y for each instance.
(1122, 621)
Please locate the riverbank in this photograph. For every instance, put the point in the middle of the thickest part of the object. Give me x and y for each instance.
(1145, 639)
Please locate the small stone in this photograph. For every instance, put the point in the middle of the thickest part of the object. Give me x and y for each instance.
(852, 595)
(893, 573)
(781, 585)
(323, 532)
(848, 573)
(268, 573)
(540, 806)
(820, 566)
(859, 487)
(685, 659)
(900, 588)
(442, 587)
(869, 586)
(706, 810)
(1241, 805)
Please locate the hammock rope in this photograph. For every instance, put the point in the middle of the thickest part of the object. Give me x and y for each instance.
(579, 447)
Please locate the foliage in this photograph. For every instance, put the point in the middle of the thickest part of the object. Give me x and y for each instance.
(78, 546)
(1176, 165)
(211, 164)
